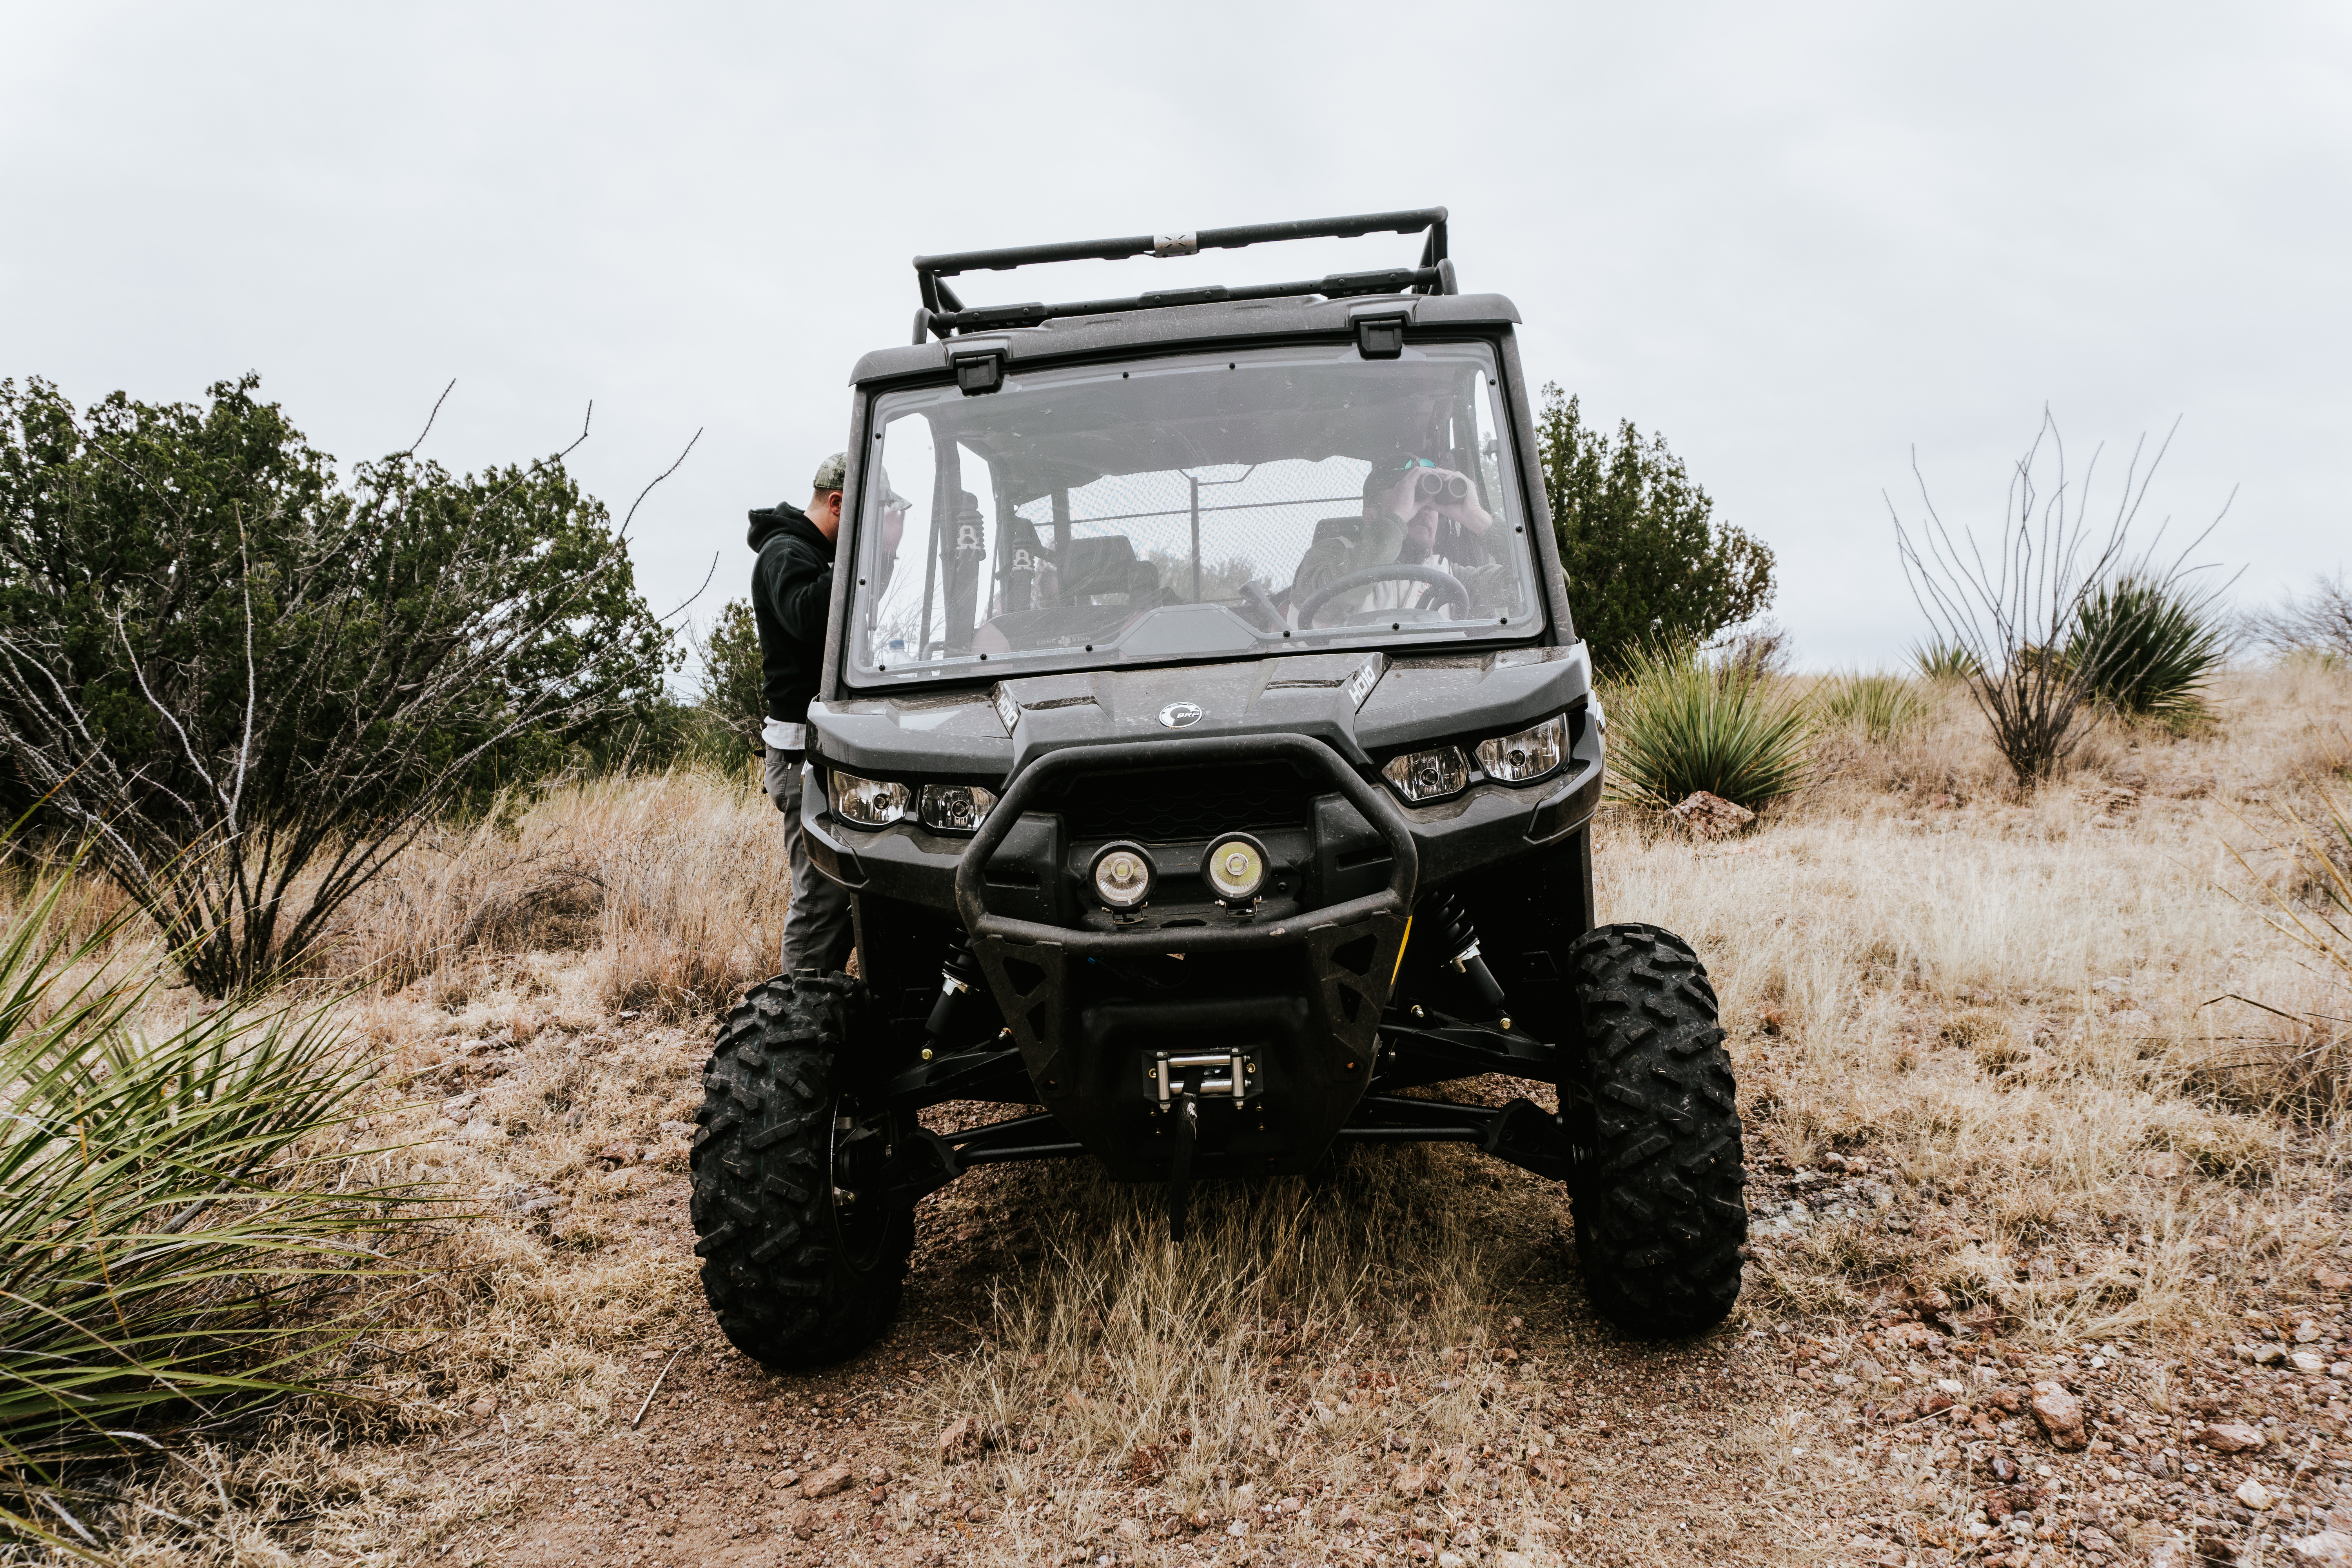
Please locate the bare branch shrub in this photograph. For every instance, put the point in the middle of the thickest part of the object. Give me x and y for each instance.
(2321, 623)
(249, 688)
(2015, 617)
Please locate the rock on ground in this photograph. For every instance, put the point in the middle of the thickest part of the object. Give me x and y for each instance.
(827, 1481)
(964, 1438)
(2330, 1547)
(1711, 815)
(2061, 1415)
(2230, 1437)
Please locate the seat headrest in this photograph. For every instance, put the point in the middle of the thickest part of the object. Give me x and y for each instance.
(1101, 565)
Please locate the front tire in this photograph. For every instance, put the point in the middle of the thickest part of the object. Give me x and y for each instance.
(798, 1274)
(1660, 1224)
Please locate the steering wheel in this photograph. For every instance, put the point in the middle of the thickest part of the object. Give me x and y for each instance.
(1449, 588)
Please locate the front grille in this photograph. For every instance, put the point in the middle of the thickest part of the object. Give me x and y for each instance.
(1185, 803)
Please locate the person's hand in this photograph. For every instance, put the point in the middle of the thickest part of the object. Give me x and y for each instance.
(1398, 500)
(1465, 511)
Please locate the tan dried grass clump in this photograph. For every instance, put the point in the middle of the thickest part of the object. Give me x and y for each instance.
(510, 881)
(696, 889)
(674, 880)
(1334, 1337)
(1129, 1341)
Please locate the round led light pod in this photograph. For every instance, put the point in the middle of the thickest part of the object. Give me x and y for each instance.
(1123, 876)
(1235, 867)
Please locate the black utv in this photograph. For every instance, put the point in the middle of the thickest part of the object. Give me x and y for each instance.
(1209, 748)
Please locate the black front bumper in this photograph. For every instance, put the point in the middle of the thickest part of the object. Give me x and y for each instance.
(1308, 1045)
(1308, 1022)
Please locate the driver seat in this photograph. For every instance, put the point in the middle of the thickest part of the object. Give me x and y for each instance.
(1102, 565)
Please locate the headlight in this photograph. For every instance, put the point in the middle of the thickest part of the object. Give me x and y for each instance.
(1122, 876)
(1429, 776)
(956, 808)
(868, 802)
(1526, 756)
(1235, 866)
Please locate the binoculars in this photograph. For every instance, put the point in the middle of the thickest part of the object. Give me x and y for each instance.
(1435, 487)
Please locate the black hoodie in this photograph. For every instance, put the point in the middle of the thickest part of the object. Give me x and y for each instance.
(791, 589)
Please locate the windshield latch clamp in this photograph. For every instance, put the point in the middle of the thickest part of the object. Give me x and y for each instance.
(1381, 337)
(978, 373)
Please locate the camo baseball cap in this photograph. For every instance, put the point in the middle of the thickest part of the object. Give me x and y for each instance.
(831, 473)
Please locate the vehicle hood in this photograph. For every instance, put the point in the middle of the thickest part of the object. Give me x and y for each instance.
(1363, 705)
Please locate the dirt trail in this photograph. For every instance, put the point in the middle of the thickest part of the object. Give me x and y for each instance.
(1776, 1441)
(721, 1470)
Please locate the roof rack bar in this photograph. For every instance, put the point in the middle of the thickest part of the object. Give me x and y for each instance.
(1341, 285)
(1432, 219)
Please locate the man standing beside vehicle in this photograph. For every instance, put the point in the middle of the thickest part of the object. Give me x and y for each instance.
(792, 592)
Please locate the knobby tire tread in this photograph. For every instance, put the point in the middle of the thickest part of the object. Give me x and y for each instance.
(1661, 1223)
(763, 1185)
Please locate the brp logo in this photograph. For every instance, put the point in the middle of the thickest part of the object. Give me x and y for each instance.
(1180, 715)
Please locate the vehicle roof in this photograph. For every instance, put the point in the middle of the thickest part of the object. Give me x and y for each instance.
(1171, 327)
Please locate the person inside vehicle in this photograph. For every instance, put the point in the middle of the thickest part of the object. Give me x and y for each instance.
(1415, 513)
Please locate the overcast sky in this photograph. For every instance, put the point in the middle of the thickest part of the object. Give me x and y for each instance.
(1798, 241)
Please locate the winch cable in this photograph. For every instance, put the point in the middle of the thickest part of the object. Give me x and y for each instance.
(1187, 1113)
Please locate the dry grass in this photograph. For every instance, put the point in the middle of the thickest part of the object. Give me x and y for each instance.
(1997, 1013)
(1312, 1341)
(2012, 1004)
(675, 883)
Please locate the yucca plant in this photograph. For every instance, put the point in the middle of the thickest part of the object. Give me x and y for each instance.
(1941, 660)
(1883, 707)
(1679, 723)
(2150, 647)
(180, 1243)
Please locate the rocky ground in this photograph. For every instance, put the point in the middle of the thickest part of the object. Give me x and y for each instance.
(1911, 1431)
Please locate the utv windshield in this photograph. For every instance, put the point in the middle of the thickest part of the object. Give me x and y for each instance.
(1261, 501)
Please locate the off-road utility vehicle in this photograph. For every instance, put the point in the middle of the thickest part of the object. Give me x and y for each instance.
(1209, 752)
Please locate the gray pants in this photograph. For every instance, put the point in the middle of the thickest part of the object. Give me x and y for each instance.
(817, 933)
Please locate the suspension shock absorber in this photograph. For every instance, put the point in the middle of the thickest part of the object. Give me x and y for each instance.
(1458, 940)
(958, 979)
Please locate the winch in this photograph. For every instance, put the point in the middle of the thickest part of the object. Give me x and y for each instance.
(1171, 1069)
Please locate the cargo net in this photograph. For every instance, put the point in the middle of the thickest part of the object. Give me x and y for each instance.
(1194, 535)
